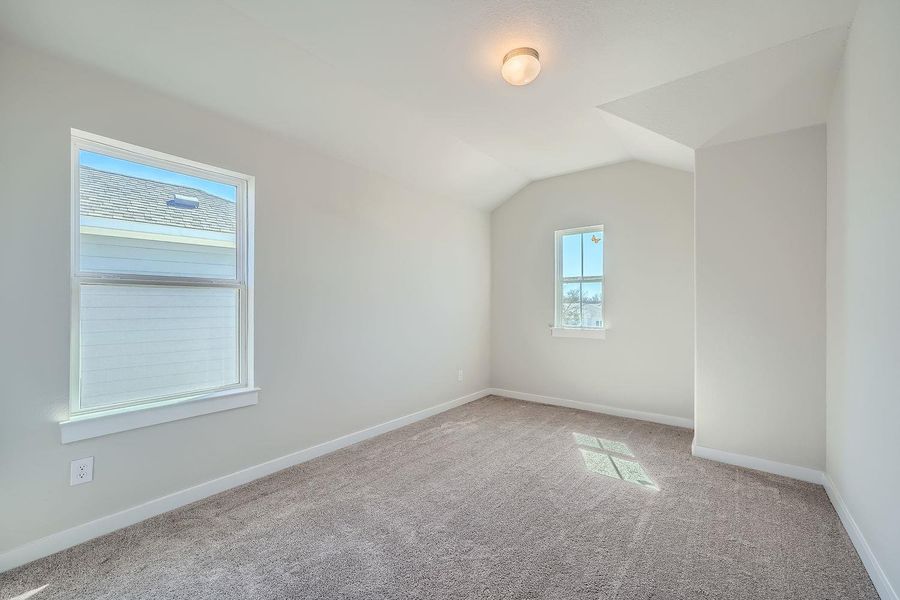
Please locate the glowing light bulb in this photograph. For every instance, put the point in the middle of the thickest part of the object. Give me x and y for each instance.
(521, 66)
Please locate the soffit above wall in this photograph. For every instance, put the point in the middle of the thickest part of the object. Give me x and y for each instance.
(777, 89)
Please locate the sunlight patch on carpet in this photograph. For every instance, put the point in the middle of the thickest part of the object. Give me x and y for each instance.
(609, 465)
(582, 439)
(30, 594)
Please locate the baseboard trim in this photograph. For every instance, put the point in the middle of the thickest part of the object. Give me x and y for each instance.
(598, 408)
(86, 531)
(876, 573)
(870, 562)
(759, 464)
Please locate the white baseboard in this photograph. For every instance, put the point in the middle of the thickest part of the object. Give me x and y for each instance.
(879, 578)
(599, 408)
(759, 464)
(877, 574)
(86, 531)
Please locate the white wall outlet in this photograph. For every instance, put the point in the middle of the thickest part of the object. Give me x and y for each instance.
(459, 375)
(81, 471)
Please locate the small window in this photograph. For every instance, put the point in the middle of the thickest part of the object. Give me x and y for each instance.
(160, 277)
(579, 278)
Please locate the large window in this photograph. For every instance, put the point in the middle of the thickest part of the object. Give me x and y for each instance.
(579, 281)
(161, 292)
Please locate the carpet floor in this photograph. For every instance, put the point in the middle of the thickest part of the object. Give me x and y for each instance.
(495, 499)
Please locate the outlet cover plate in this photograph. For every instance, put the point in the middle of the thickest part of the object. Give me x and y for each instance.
(81, 471)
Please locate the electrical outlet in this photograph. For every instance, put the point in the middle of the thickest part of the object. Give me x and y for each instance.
(459, 375)
(81, 471)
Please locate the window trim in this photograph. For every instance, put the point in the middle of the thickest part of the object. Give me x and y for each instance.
(598, 333)
(242, 282)
(96, 424)
(558, 329)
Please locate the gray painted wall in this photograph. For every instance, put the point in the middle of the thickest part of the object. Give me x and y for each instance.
(328, 236)
(864, 281)
(646, 361)
(760, 268)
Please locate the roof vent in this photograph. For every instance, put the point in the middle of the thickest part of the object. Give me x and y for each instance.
(179, 201)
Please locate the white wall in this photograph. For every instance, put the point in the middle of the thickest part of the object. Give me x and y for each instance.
(331, 240)
(864, 281)
(646, 361)
(760, 268)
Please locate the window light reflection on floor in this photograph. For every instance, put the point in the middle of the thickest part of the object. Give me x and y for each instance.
(608, 445)
(29, 594)
(610, 465)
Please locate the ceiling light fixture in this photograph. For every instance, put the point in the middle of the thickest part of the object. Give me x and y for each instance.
(521, 66)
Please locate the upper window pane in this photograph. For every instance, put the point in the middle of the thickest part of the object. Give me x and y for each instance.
(571, 255)
(144, 220)
(592, 245)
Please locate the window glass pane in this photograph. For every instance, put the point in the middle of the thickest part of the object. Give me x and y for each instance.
(571, 255)
(592, 243)
(591, 298)
(145, 220)
(571, 305)
(148, 342)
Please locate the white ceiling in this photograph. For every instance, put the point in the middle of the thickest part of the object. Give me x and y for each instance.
(412, 89)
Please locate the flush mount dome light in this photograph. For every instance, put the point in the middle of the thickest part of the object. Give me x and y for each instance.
(521, 66)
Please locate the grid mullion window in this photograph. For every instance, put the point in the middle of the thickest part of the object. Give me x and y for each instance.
(579, 278)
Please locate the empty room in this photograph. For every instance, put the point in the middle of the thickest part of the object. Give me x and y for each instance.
(450, 299)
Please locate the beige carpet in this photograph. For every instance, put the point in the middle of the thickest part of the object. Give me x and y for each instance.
(495, 499)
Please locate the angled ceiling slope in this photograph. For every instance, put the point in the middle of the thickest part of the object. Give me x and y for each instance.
(412, 89)
(777, 89)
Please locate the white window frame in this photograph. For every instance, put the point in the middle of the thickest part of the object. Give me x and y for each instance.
(558, 329)
(83, 424)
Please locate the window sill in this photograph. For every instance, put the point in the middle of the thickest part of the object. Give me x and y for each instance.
(575, 332)
(93, 425)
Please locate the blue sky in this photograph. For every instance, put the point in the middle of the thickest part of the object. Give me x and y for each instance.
(126, 167)
(593, 255)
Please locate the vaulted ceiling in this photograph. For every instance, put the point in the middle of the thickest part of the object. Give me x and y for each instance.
(412, 89)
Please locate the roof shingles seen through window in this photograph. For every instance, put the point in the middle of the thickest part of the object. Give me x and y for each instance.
(116, 196)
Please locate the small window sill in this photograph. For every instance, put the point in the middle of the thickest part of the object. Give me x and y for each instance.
(83, 427)
(598, 333)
